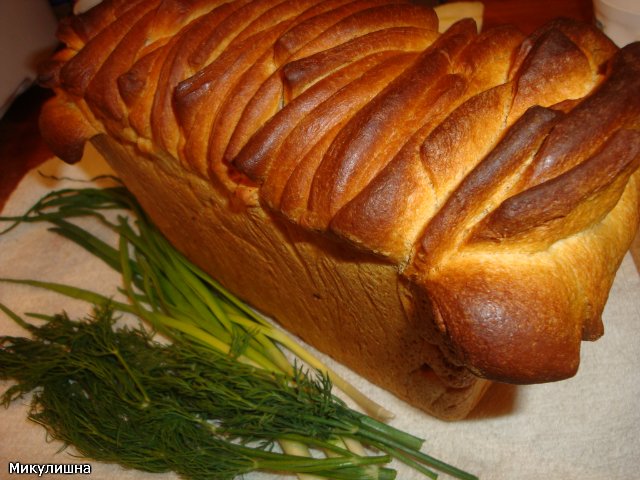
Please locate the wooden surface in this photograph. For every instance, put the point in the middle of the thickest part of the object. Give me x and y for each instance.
(22, 149)
(531, 14)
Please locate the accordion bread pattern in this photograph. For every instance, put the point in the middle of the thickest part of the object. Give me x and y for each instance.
(434, 210)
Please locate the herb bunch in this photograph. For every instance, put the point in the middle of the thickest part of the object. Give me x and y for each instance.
(118, 396)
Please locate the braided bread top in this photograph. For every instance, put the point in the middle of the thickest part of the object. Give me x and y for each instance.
(357, 118)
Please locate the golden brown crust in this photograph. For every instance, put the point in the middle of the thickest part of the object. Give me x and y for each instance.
(198, 99)
(359, 152)
(76, 31)
(612, 106)
(319, 19)
(449, 192)
(389, 213)
(300, 74)
(80, 70)
(176, 67)
(64, 129)
(570, 202)
(269, 97)
(554, 70)
(261, 151)
(134, 87)
(361, 19)
(325, 119)
(597, 48)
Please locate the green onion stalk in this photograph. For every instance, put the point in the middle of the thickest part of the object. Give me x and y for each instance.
(186, 305)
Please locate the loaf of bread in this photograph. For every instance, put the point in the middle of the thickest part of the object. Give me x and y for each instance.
(435, 210)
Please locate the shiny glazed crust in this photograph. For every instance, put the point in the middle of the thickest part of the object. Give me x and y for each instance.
(431, 209)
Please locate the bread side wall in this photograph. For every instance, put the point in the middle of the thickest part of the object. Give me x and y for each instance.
(350, 305)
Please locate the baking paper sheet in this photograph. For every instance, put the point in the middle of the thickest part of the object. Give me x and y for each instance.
(585, 428)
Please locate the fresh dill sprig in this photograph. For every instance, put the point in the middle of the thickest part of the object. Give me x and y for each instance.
(118, 396)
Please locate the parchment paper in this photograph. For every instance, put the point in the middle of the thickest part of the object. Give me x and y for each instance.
(585, 428)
